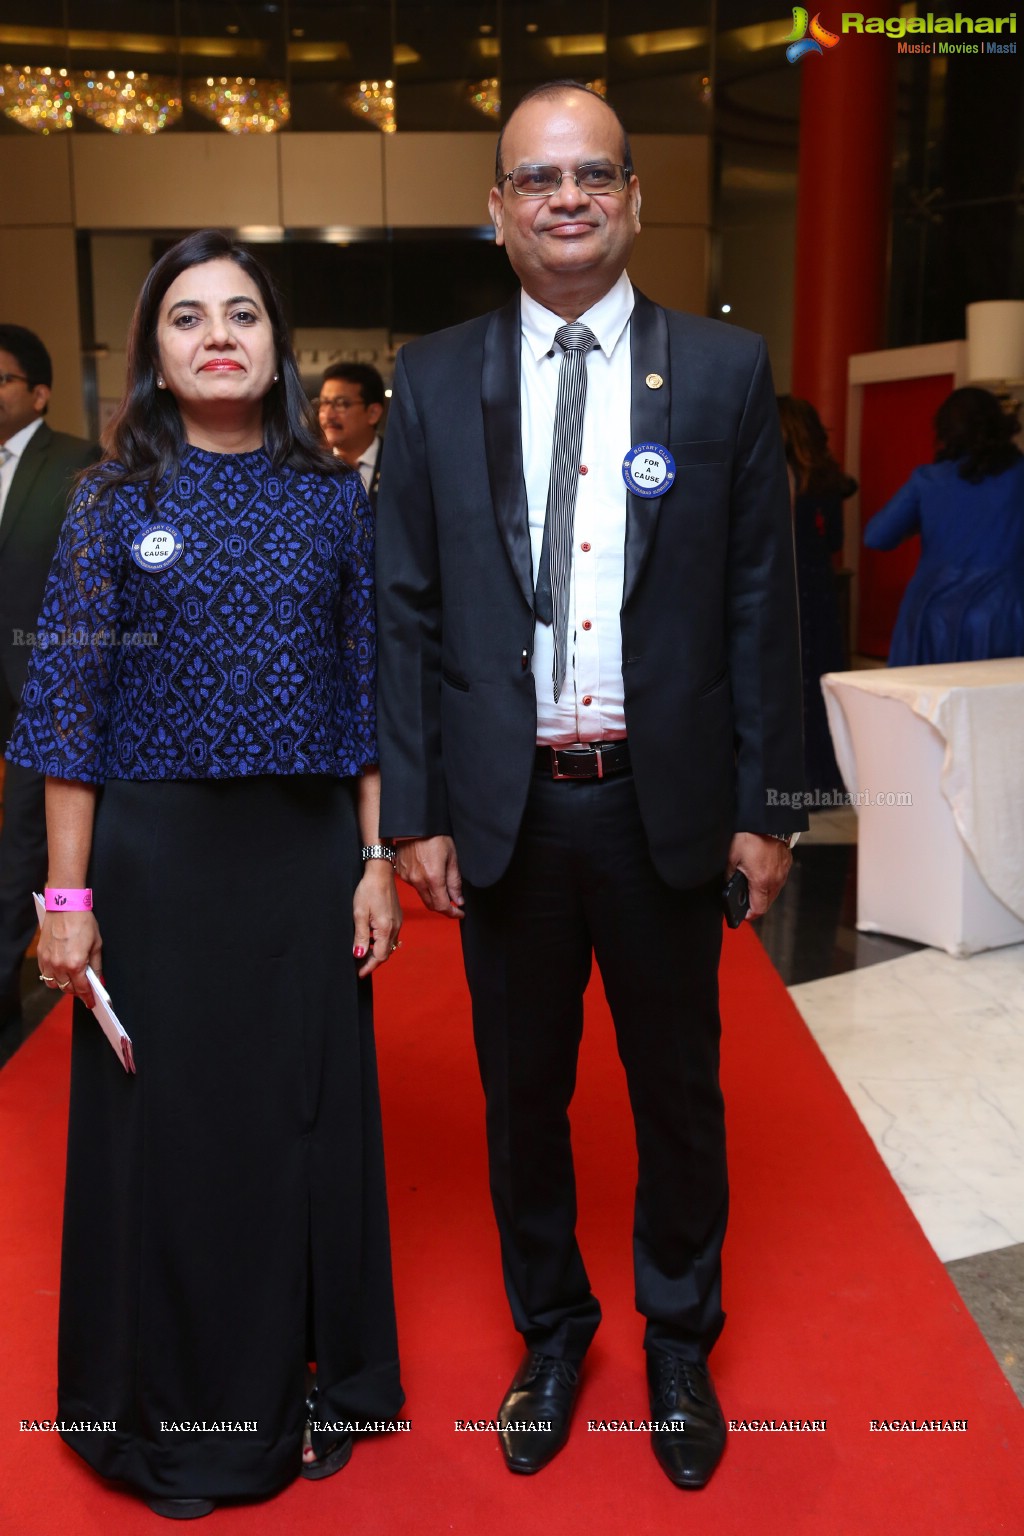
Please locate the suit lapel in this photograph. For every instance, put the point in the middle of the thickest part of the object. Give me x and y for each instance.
(503, 437)
(30, 466)
(649, 422)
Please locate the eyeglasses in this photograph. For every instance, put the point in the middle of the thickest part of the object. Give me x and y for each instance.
(545, 180)
(336, 405)
(9, 378)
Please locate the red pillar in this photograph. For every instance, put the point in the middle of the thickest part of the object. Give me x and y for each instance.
(847, 112)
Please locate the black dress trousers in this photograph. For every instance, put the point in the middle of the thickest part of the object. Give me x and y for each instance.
(581, 883)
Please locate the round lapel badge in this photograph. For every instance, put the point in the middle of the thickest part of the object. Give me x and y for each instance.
(649, 469)
(158, 547)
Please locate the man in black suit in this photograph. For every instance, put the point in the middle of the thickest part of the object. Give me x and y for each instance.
(589, 804)
(37, 470)
(350, 407)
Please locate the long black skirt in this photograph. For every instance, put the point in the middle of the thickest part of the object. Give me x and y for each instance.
(225, 1215)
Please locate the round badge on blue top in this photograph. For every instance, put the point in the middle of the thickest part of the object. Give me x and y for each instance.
(158, 547)
(649, 469)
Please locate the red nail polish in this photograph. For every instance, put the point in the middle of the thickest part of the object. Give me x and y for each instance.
(359, 951)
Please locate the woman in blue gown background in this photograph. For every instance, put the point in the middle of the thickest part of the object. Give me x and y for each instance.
(965, 601)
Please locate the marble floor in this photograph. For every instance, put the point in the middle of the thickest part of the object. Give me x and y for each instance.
(930, 1050)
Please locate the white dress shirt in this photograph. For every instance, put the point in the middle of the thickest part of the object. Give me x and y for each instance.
(15, 446)
(366, 463)
(591, 704)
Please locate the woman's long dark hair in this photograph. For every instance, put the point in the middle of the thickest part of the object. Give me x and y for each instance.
(146, 438)
(807, 452)
(970, 424)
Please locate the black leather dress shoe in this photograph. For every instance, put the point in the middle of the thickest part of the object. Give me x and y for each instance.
(689, 1436)
(537, 1410)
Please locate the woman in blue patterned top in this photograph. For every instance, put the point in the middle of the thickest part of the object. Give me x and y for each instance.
(201, 700)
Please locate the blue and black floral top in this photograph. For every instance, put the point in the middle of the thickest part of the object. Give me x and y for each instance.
(248, 650)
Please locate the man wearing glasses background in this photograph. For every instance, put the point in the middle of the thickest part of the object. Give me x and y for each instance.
(588, 683)
(37, 469)
(350, 406)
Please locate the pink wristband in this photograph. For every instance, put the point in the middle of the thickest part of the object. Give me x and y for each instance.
(63, 899)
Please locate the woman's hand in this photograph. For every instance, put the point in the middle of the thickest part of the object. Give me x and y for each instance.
(377, 914)
(69, 941)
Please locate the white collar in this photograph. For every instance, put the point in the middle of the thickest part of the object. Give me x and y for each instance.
(370, 452)
(368, 455)
(607, 319)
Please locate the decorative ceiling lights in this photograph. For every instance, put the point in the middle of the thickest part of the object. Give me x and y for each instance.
(373, 100)
(39, 99)
(241, 106)
(128, 103)
(485, 96)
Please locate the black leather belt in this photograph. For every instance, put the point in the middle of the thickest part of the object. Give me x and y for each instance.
(594, 761)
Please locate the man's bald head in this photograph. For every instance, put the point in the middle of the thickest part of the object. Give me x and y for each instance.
(559, 88)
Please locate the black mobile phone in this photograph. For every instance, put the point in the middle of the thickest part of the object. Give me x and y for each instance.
(735, 899)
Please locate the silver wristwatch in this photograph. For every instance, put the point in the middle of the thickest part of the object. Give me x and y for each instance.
(379, 851)
(789, 838)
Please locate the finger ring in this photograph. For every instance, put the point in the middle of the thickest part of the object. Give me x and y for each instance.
(63, 985)
(46, 978)
(395, 946)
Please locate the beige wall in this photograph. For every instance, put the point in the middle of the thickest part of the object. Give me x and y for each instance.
(116, 186)
(39, 288)
(332, 180)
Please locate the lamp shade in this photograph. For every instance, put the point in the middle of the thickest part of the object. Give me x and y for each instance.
(995, 342)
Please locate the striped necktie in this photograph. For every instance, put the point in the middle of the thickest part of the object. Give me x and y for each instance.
(552, 595)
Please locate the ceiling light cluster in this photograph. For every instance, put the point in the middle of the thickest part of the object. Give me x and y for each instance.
(240, 105)
(45, 100)
(127, 103)
(373, 100)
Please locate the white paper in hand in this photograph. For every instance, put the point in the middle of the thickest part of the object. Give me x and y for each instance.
(111, 1025)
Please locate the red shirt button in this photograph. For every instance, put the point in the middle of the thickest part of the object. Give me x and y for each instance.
(587, 624)
(583, 469)
(585, 548)
(587, 699)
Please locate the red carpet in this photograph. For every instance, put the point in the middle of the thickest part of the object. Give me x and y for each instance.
(838, 1308)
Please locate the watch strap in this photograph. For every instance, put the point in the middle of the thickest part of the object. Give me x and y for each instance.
(379, 851)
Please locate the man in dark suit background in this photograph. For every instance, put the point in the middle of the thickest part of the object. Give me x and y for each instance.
(350, 406)
(590, 807)
(36, 475)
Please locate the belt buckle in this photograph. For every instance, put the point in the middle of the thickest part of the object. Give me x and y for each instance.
(554, 765)
(580, 749)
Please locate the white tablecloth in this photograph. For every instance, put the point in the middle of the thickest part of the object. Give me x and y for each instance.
(934, 760)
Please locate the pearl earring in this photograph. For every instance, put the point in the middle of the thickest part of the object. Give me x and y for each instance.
(160, 383)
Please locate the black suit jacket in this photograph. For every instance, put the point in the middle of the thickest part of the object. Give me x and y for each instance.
(710, 645)
(31, 522)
